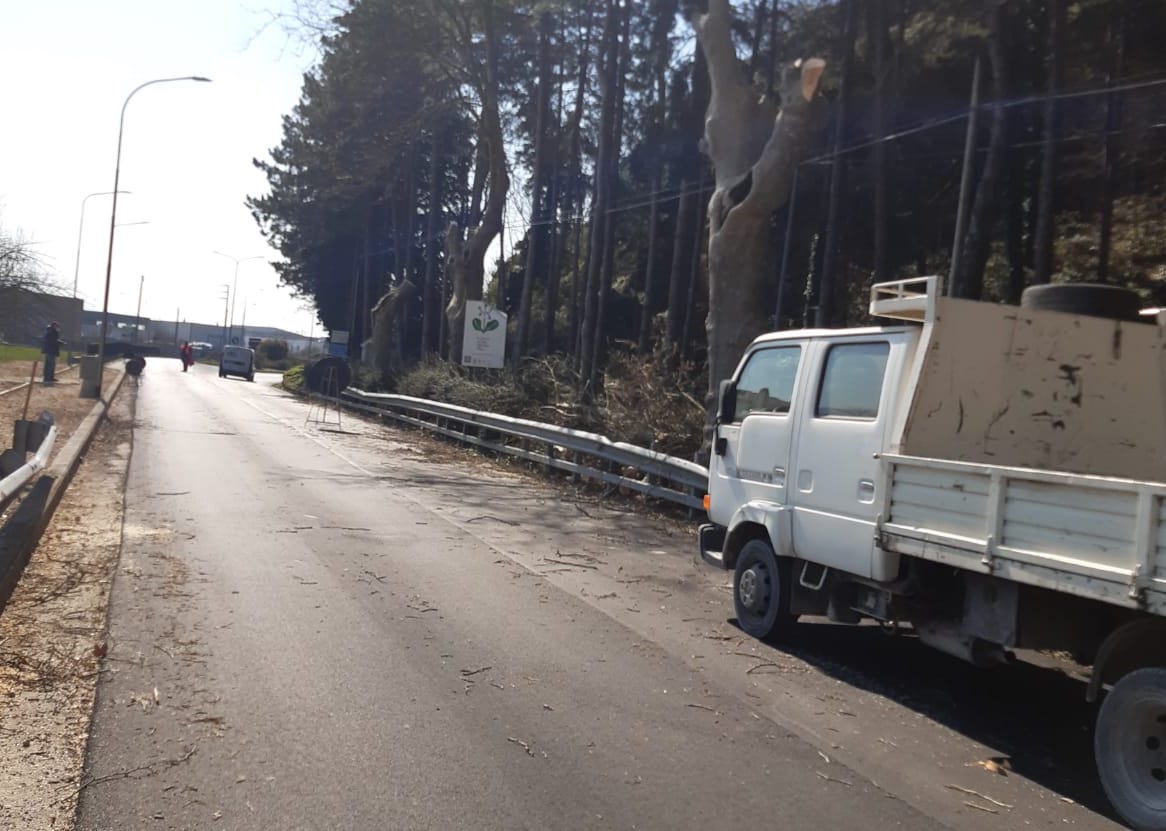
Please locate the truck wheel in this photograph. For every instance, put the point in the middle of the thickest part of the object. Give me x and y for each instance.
(761, 590)
(1129, 745)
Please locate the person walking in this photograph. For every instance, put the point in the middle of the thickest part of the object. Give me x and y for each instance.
(187, 354)
(51, 348)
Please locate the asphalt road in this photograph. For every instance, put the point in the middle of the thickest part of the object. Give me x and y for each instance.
(323, 627)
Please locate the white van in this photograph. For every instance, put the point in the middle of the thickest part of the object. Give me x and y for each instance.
(237, 360)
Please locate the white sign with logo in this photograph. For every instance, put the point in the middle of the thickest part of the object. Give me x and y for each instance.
(484, 342)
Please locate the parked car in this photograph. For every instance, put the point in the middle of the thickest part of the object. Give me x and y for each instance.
(237, 360)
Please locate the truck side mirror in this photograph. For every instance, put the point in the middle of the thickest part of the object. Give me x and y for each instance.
(728, 402)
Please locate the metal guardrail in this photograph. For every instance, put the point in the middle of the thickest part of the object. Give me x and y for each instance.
(11, 485)
(577, 452)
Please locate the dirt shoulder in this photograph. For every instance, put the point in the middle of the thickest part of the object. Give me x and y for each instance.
(62, 399)
(50, 634)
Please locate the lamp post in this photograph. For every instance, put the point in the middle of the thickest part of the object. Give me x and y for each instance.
(138, 316)
(226, 298)
(113, 216)
(235, 284)
(80, 232)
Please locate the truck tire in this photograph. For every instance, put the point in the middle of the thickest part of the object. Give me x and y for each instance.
(761, 591)
(1091, 299)
(1129, 745)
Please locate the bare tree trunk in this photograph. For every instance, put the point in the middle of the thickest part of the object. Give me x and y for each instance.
(465, 260)
(970, 270)
(432, 228)
(502, 275)
(603, 182)
(698, 237)
(576, 196)
(579, 268)
(878, 34)
(1047, 209)
(674, 321)
(662, 53)
(1014, 217)
(831, 284)
(759, 18)
(1113, 117)
(599, 344)
(558, 239)
(410, 332)
(650, 266)
(754, 151)
(537, 236)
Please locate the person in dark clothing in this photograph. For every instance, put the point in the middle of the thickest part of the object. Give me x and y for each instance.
(51, 348)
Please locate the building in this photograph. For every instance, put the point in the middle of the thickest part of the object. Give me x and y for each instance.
(25, 314)
(131, 329)
(122, 328)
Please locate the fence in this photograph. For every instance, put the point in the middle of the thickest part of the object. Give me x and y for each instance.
(579, 453)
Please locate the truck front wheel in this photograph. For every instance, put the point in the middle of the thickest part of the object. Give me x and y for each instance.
(761, 591)
(1129, 745)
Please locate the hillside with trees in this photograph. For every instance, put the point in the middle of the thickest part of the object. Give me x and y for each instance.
(639, 162)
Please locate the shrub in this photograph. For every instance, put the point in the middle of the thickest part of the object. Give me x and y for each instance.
(293, 379)
(652, 400)
(648, 400)
(273, 350)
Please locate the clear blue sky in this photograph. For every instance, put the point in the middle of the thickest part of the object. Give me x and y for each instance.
(67, 67)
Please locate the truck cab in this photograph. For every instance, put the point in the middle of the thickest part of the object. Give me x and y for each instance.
(801, 427)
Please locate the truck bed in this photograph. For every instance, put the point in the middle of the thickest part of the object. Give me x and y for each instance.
(1092, 536)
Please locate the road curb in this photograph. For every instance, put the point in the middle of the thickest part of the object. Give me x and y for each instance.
(21, 534)
(64, 466)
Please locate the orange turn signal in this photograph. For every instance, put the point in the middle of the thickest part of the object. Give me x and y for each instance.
(708, 501)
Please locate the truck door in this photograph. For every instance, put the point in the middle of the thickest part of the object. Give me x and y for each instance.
(843, 420)
(755, 466)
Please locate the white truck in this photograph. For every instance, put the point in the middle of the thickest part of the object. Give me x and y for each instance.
(992, 476)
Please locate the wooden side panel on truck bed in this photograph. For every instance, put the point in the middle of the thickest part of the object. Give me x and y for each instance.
(1090, 536)
(1040, 389)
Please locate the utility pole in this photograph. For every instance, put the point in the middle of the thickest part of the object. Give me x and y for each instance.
(965, 196)
(177, 314)
(226, 298)
(138, 316)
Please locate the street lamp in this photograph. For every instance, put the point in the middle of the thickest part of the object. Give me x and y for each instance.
(226, 298)
(113, 216)
(80, 231)
(235, 285)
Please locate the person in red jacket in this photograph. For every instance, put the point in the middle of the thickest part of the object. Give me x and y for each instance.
(187, 356)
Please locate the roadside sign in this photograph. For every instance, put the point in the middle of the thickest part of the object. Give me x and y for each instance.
(338, 343)
(484, 340)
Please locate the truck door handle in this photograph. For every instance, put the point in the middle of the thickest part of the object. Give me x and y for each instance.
(779, 476)
(866, 491)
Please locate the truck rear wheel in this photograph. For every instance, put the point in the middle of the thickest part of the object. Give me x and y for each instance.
(1129, 745)
(761, 590)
